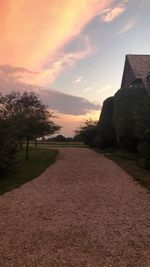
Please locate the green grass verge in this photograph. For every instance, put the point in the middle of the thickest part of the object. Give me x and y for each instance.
(24, 171)
(129, 163)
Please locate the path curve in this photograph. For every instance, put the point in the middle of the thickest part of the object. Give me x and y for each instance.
(83, 211)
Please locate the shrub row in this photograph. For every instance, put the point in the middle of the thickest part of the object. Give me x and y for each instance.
(127, 121)
(124, 123)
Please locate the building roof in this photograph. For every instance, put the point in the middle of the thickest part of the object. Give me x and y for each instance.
(136, 67)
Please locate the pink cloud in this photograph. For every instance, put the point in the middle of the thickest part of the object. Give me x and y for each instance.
(61, 61)
(127, 26)
(110, 14)
(31, 31)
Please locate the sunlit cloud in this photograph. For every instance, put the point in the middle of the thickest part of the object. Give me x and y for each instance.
(88, 89)
(70, 109)
(105, 88)
(127, 26)
(55, 100)
(61, 61)
(9, 70)
(52, 68)
(31, 37)
(78, 79)
(71, 122)
(110, 14)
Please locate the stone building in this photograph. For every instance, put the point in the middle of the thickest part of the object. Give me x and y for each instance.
(136, 72)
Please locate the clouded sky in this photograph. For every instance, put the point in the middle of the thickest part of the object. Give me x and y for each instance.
(70, 52)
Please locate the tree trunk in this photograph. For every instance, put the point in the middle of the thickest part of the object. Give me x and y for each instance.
(21, 146)
(35, 142)
(27, 148)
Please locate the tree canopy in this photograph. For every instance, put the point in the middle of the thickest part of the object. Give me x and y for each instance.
(87, 132)
(27, 116)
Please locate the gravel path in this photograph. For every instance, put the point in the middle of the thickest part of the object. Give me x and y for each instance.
(83, 211)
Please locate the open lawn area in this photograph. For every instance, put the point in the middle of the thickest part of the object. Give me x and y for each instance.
(58, 144)
(26, 170)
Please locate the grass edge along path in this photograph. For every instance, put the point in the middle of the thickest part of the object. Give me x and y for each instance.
(24, 171)
(139, 174)
(128, 162)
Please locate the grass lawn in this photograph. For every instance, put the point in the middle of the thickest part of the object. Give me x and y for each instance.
(130, 165)
(24, 171)
(59, 144)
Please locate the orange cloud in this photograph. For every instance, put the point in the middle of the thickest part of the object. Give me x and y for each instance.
(32, 31)
(71, 122)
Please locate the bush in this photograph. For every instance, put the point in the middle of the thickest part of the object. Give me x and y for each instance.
(144, 155)
(126, 105)
(106, 131)
(142, 131)
(87, 133)
(8, 145)
(142, 120)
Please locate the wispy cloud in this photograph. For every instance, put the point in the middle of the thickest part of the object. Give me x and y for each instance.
(63, 60)
(127, 26)
(78, 79)
(88, 89)
(7, 69)
(53, 67)
(30, 37)
(110, 14)
(105, 88)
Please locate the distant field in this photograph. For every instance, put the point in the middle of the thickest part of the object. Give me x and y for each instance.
(24, 171)
(62, 144)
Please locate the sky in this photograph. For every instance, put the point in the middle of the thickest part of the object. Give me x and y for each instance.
(70, 53)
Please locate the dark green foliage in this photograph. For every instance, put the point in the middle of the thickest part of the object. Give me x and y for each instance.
(106, 131)
(142, 131)
(132, 122)
(87, 133)
(59, 138)
(127, 103)
(144, 155)
(22, 118)
(142, 120)
(30, 116)
(8, 144)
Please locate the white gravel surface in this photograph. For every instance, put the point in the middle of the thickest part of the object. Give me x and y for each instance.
(83, 211)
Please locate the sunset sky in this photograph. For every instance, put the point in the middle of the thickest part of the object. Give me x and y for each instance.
(70, 52)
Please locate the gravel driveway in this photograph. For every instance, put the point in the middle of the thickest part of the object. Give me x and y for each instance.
(83, 211)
